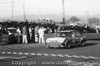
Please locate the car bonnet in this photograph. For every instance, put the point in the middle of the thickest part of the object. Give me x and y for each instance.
(58, 39)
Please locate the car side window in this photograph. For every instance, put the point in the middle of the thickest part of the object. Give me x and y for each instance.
(78, 34)
(73, 35)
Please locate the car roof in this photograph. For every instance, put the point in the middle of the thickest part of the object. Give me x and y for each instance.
(67, 31)
(11, 28)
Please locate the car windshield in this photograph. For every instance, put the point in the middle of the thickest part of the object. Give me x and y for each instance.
(12, 30)
(63, 34)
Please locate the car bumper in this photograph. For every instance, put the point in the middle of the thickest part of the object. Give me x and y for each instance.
(54, 44)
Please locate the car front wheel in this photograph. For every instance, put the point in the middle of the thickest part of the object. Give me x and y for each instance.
(68, 45)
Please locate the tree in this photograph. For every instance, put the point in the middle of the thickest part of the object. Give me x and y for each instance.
(74, 19)
(94, 21)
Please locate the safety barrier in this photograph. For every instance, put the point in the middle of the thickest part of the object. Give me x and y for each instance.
(92, 35)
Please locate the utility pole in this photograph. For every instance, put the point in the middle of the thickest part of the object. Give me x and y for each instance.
(63, 8)
(24, 15)
(12, 10)
(87, 18)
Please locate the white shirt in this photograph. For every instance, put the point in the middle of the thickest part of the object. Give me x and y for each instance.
(18, 31)
(9, 33)
(41, 32)
(30, 30)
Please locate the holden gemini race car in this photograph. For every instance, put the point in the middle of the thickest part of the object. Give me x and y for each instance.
(66, 39)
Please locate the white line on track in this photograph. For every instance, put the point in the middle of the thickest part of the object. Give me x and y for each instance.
(20, 53)
(9, 52)
(3, 52)
(46, 54)
(39, 54)
(68, 56)
(54, 55)
(14, 53)
(26, 53)
(32, 54)
(75, 56)
(60, 55)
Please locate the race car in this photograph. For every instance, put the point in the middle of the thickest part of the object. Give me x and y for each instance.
(9, 38)
(66, 39)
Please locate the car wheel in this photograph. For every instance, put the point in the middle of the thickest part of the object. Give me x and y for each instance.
(68, 45)
(82, 44)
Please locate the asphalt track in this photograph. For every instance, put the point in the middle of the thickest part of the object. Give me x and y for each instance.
(38, 55)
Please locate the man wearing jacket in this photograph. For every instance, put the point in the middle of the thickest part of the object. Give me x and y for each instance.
(24, 32)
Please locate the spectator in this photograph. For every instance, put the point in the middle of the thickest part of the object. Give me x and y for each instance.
(33, 34)
(30, 32)
(4, 30)
(24, 32)
(18, 34)
(36, 34)
(41, 34)
(97, 31)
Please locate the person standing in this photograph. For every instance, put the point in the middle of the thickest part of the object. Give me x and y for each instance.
(18, 34)
(30, 32)
(97, 31)
(41, 34)
(4, 30)
(33, 34)
(24, 32)
(36, 34)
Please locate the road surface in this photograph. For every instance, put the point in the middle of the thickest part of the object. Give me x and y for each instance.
(38, 55)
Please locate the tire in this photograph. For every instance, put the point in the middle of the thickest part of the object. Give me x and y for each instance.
(82, 44)
(68, 45)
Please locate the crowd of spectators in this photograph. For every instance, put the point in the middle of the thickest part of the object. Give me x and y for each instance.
(51, 27)
(17, 28)
(82, 28)
(15, 24)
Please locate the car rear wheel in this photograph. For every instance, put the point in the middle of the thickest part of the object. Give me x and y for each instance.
(82, 44)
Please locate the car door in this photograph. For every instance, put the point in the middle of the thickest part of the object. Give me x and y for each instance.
(78, 37)
(73, 38)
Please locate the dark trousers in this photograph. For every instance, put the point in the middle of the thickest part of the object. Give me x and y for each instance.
(19, 39)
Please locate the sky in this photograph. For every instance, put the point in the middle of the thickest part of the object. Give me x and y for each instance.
(72, 7)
